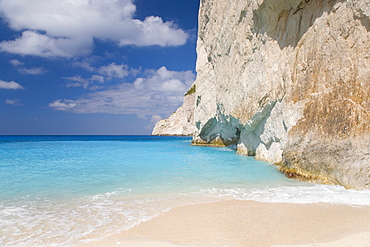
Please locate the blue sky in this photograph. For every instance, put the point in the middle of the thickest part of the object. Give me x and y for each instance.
(109, 67)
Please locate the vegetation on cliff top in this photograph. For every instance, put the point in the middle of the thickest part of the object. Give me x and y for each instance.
(191, 90)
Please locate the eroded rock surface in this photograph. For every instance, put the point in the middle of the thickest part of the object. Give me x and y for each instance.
(288, 82)
(180, 122)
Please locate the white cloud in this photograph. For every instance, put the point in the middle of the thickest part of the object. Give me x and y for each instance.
(155, 119)
(166, 80)
(63, 104)
(114, 70)
(10, 85)
(32, 71)
(159, 93)
(33, 43)
(152, 31)
(66, 28)
(97, 78)
(84, 65)
(152, 121)
(77, 81)
(106, 73)
(16, 63)
(16, 102)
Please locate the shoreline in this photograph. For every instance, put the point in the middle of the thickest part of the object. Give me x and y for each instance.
(249, 223)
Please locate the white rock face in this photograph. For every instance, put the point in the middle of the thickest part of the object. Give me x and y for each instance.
(180, 122)
(288, 82)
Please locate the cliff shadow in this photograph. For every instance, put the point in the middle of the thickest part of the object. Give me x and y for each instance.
(361, 15)
(287, 21)
(221, 130)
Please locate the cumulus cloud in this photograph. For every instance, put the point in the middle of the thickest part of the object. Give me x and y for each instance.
(16, 102)
(10, 85)
(158, 93)
(33, 43)
(66, 28)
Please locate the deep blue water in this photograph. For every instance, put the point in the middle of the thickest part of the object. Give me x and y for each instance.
(61, 190)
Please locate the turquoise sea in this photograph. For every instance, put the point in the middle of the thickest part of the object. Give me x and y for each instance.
(65, 190)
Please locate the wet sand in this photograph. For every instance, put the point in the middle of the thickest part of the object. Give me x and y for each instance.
(249, 223)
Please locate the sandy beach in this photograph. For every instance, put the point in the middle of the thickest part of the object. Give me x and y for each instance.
(249, 223)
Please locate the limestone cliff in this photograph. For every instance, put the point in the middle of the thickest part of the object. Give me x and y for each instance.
(180, 122)
(288, 81)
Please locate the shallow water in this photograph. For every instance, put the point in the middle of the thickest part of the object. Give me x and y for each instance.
(63, 190)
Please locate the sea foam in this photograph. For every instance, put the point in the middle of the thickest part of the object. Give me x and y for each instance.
(296, 194)
(61, 191)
